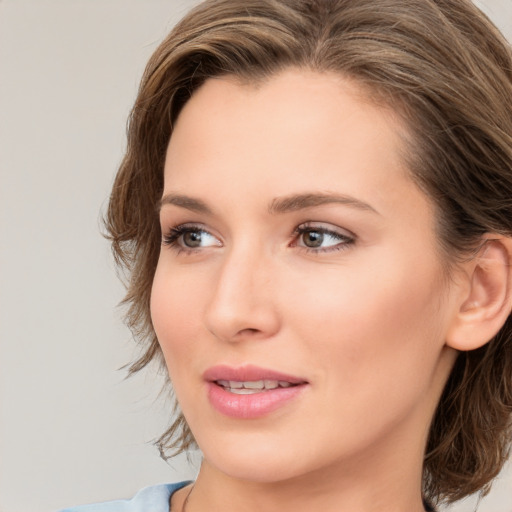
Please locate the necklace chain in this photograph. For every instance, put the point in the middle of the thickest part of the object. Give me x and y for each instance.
(185, 502)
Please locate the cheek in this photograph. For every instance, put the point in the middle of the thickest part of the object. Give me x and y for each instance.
(374, 343)
(378, 316)
(174, 313)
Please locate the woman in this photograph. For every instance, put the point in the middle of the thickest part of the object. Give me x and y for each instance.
(315, 211)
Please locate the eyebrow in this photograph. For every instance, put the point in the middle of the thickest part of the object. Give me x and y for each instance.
(302, 201)
(189, 203)
(278, 205)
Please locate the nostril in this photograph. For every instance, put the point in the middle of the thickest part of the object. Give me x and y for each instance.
(249, 331)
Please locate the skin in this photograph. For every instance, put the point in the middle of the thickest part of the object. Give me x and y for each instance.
(363, 318)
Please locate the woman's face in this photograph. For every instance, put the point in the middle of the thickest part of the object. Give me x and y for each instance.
(298, 257)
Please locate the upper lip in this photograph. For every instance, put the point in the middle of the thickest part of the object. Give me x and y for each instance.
(248, 373)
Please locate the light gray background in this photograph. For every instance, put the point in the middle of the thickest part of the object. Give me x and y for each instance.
(71, 429)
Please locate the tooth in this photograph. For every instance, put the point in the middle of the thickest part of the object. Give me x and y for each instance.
(271, 384)
(243, 391)
(234, 384)
(284, 384)
(223, 383)
(257, 384)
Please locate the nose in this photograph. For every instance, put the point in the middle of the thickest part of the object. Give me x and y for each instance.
(243, 303)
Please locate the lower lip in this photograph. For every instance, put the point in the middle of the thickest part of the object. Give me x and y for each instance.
(251, 406)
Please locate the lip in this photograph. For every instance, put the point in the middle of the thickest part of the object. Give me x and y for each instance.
(254, 405)
(248, 373)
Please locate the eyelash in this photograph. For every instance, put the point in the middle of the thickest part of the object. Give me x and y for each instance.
(172, 238)
(344, 240)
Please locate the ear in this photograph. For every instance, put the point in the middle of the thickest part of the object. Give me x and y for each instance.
(486, 300)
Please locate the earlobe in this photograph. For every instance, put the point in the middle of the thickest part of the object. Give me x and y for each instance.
(487, 300)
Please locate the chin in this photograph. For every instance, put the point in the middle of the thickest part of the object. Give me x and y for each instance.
(263, 459)
(256, 460)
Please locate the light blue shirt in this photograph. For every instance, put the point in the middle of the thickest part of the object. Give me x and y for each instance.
(150, 499)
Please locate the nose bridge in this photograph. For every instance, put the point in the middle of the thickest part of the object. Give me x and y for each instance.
(241, 302)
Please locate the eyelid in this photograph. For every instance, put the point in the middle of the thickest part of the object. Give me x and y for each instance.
(346, 237)
(171, 237)
(326, 227)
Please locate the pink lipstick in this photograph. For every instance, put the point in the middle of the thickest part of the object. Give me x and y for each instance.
(250, 392)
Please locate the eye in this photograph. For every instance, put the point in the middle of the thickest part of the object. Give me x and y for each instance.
(322, 239)
(189, 238)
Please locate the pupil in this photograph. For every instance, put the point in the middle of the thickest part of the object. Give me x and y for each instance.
(313, 239)
(192, 239)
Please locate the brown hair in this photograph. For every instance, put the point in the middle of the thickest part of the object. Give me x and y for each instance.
(441, 64)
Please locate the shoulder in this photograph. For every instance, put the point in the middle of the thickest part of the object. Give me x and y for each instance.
(154, 498)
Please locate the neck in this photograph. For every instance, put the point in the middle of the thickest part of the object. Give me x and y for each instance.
(373, 489)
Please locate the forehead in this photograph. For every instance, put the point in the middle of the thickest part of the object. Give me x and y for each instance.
(298, 125)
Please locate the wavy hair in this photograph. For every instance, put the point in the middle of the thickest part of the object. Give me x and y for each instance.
(448, 71)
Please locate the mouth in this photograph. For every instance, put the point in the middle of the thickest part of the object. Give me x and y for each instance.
(250, 387)
(250, 378)
(250, 392)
